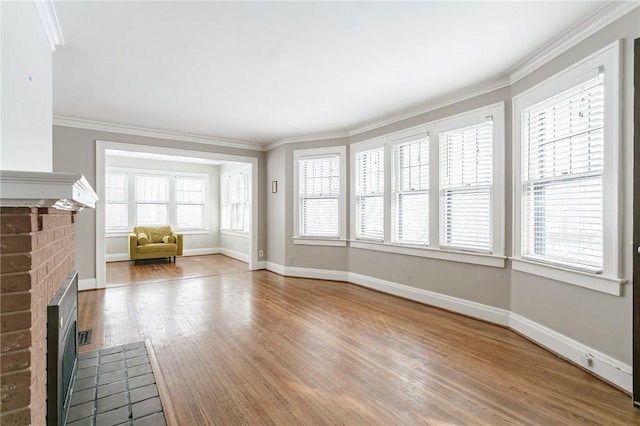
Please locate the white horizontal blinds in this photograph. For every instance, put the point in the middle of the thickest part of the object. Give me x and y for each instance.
(370, 194)
(225, 205)
(562, 192)
(411, 191)
(116, 201)
(235, 202)
(190, 201)
(152, 199)
(319, 193)
(466, 179)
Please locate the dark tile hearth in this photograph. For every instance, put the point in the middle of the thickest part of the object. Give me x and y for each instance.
(115, 386)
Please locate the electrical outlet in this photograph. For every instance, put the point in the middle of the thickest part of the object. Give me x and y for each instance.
(260, 253)
(586, 360)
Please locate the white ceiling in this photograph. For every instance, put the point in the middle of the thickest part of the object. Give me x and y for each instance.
(259, 72)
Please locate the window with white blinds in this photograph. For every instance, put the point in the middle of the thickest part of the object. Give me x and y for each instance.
(234, 211)
(466, 180)
(116, 201)
(441, 193)
(562, 177)
(148, 198)
(369, 194)
(152, 199)
(190, 202)
(567, 171)
(410, 197)
(319, 196)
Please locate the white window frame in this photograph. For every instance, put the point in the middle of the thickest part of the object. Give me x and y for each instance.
(246, 172)
(497, 256)
(167, 203)
(341, 240)
(171, 204)
(396, 192)
(385, 194)
(204, 203)
(462, 122)
(606, 60)
(124, 229)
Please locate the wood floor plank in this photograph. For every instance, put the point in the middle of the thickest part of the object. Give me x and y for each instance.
(258, 348)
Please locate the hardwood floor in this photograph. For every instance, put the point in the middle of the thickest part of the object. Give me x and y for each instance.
(258, 348)
(146, 271)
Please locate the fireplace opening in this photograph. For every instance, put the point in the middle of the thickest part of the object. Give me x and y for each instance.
(62, 349)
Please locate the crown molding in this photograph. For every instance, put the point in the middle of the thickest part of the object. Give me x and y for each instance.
(593, 23)
(50, 24)
(458, 96)
(152, 133)
(62, 191)
(307, 138)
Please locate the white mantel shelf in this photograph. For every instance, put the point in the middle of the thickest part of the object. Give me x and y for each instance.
(63, 191)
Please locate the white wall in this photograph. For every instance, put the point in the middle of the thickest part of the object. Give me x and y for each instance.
(200, 242)
(27, 91)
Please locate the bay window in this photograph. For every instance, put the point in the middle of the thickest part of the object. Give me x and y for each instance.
(135, 197)
(435, 190)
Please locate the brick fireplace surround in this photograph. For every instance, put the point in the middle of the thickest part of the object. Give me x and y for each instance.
(37, 252)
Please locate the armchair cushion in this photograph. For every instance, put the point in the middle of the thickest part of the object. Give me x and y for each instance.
(143, 239)
(171, 239)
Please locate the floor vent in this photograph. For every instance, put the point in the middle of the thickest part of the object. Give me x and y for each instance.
(84, 337)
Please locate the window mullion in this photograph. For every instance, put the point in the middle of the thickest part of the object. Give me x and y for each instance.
(172, 206)
(133, 207)
(387, 192)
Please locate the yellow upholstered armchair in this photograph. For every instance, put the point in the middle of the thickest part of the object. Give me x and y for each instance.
(152, 242)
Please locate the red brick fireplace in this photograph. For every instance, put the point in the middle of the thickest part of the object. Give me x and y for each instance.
(37, 252)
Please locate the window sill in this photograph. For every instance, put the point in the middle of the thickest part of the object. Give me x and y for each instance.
(126, 233)
(453, 256)
(320, 242)
(193, 232)
(595, 282)
(118, 234)
(235, 233)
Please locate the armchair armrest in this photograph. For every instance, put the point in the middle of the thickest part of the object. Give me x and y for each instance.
(178, 236)
(133, 242)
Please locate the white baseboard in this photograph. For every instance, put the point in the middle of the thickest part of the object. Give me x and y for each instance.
(609, 369)
(243, 257)
(450, 303)
(119, 257)
(320, 274)
(87, 284)
(116, 257)
(201, 251)
(274, 267)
